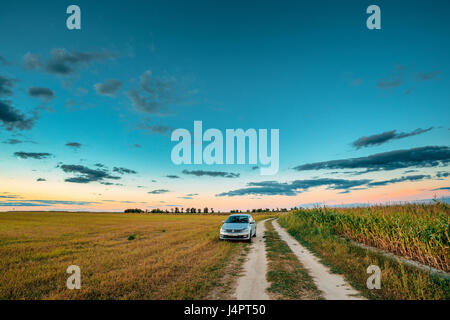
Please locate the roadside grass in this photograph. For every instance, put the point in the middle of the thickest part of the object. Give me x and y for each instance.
(287, 276)
(121, 256)
(398, 281)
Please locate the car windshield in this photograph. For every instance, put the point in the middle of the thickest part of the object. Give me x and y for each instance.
(237, 219)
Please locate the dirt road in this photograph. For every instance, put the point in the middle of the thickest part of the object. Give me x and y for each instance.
(253, 284)
(333, 286)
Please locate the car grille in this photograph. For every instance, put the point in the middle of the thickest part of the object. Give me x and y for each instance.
(234, 230)
(234, 237)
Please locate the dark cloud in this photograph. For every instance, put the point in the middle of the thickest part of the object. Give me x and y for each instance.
(123, 170)
(388, 84)
(428, 75)
(85, 174)
(401, 179)
(378, 139)
(40, 179)
(6, 86)
(223, 174)
(293, 188)
(442, 174)
(189, 196)
(172, 176)
(158, 191)
(63, 62)
(137, 145)
(13, 141)
(255, 168)
(395, 80)
(157, 93)
(45, 94)
(154, 128)
(44, 203)
(143, 104)
(111, 184)
(32, 155)
(159, 129)
(109, 87)
(442, 188)
(12, 118)
(298, 186)
(73, 145)
(429, 156)
(7, 195)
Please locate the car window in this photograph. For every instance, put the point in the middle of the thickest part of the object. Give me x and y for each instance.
(237, 219)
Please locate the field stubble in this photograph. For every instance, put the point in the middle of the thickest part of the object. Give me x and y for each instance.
(121, 256)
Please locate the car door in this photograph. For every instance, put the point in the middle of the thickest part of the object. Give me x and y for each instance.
(253, 225)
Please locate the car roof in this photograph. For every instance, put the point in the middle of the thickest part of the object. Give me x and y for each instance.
(240, 214)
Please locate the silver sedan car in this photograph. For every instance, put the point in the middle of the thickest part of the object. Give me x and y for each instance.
(238, 227)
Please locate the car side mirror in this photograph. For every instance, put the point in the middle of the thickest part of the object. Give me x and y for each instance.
(253, 222)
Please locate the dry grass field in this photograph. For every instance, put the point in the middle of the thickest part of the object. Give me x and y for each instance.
(121, 256)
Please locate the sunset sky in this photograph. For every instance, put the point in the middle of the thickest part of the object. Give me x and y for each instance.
(86, 115)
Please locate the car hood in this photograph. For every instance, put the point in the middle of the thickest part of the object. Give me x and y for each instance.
(235, 226)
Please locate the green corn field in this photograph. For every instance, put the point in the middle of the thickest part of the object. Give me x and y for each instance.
(417, 232)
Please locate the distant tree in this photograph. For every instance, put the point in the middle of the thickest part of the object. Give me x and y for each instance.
(171, 210)
(182, 210)
(212, 210)
(177, 210)
(192, 210)
(205, 210)
(134, 210)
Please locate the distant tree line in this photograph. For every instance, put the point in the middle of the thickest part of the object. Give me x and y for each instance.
(262, 210)
(205, 210)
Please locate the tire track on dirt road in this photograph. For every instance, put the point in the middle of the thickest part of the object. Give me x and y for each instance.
(333, 286)
(252, 284)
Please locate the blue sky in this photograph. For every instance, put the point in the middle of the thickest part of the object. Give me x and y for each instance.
(310, 69)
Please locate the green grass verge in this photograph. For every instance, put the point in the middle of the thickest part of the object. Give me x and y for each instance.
(287, 277)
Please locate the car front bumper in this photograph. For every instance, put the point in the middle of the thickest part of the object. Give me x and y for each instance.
(234, 236)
